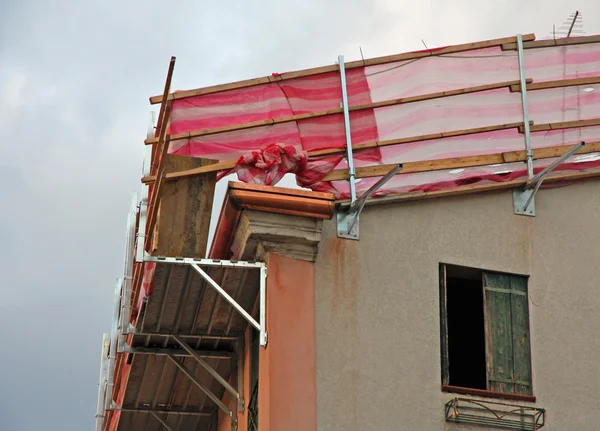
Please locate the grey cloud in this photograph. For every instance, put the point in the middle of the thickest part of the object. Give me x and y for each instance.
(75, 78)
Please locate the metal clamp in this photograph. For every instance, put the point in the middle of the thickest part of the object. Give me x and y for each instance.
(347, 217)
(523, 198)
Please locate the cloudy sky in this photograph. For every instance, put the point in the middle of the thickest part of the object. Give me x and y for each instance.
(75, 77)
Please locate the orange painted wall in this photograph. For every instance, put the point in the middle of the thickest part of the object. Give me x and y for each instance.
(287, 371)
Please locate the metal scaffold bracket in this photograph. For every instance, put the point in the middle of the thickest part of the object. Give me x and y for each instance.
(215, 399)
(524, 198)
(207, 366)
(348, 216)
(161, 421)
(345, 108)
(525, 106)
(196, 265)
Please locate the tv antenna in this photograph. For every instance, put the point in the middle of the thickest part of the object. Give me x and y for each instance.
(573, 26)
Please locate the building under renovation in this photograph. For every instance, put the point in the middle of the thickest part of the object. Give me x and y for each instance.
(436, 269)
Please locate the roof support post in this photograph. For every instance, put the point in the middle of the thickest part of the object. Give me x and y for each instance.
(347, 218)
(263, 306)
(525, 106)
(523, 199)
(351, 171)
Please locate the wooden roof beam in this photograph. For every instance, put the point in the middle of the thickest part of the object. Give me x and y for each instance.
(230, 164)
(385, 103)
(512, 46)
(461, 162)
(350, 65)
(559, 83)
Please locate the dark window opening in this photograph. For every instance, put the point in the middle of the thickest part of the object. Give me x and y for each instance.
(484, 331)
(466, 337)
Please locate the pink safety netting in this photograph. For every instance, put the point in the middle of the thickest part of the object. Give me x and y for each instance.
(267, 152)
(264, 154)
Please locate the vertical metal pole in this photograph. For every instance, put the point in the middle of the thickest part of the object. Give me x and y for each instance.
(113, 343)
(101, 408)
(525, 106)
(128, 272)
(263, 306)
(141, 234)
(351, 171)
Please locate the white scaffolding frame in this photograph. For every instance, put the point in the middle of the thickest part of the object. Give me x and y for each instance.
(115, 342)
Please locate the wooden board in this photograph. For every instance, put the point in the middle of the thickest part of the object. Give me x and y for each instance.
(229, 164)
(551, 42)
(563, 125)
(350, 65)
(337, 111)
(559, 83)
(460, 162)
(476, 188)
(185, 209)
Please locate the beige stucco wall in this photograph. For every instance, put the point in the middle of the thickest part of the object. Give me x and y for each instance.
(377, 306)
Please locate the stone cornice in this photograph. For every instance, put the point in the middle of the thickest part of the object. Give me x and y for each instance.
(257, 218)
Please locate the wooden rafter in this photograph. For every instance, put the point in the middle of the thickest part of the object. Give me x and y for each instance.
(163, 116)
(332, 151)
(385, 103)
(460, 162)
(511, 46)
(559, 83)
(478, 188)
(157, 167)
(564, 125)
(334, 68)
(505, 43)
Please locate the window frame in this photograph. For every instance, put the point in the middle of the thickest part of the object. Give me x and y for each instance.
(444, 351)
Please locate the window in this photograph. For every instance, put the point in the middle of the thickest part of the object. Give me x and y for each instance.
(484, 330)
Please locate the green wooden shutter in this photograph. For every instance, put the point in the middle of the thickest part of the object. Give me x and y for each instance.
(520, 332)
(508, 351)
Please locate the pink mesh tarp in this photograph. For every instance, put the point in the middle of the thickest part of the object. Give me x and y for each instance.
(383, 82)
(265, 153)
